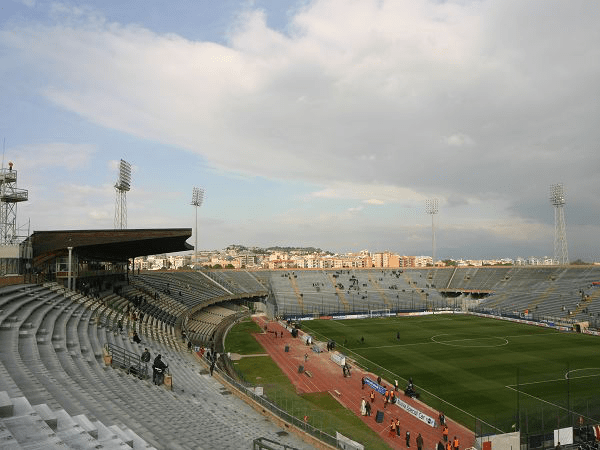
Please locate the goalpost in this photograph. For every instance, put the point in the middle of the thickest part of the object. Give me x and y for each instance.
(379, 313)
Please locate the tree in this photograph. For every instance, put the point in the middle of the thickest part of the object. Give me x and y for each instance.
(217, 266)
(579, 262)
(229, 266)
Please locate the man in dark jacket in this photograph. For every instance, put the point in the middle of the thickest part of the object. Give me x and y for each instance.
(158, 370)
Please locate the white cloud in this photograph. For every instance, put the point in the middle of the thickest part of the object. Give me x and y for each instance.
(355, 209)
(372, 194)
(458, 140)
(52, 155)
(378, 81)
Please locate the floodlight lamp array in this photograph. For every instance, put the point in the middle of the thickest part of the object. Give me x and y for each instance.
(197, 196)
(557, 195)
(432, 206)
(124, 181)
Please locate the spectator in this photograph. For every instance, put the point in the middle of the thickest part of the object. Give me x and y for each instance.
(189, 346)
(158, 370)
(419, 442)
(393, 428)
(136, 338)
(442, 419)
(145, 356)
(368, 408)
(440, 446)
(407, 439)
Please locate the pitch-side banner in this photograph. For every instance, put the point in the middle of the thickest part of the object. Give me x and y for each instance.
(338, 358)
(373, 385)
(415, 412)
(402, 405)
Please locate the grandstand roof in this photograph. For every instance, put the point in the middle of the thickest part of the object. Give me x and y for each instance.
(109, 245)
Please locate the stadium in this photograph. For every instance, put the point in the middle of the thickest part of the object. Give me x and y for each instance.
(507, 353)
(414, 141)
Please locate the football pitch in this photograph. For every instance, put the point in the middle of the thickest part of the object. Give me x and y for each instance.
(490, 375)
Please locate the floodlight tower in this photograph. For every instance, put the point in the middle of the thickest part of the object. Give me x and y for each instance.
(10, 195)
(122, 185)
(431, 206)
(557, 198)
(197, 198)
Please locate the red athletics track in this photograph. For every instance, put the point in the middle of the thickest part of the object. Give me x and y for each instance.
(327, 376)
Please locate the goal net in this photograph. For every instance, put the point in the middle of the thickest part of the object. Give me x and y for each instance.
(379, 313)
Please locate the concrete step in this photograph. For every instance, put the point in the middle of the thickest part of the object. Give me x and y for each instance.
(47, 415)
(6, 405)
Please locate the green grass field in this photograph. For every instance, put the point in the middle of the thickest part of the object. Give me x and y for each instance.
(472, 367)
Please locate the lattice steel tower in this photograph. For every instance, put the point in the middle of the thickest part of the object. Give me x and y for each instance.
(122, 185)
(557, 198)
(10, 195)
(431, 206)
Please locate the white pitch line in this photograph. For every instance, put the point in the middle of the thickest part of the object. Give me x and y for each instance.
(395, 345)
(551, 381)
(537, 398)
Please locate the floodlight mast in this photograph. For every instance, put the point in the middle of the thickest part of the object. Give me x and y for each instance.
(432, 207)
(197, 199)
(557, 199)
(122, 185)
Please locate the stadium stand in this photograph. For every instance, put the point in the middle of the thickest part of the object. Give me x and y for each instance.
(548, 292)
(52, 358)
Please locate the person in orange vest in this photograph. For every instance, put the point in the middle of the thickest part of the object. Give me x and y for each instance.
(386, 398)
(455, 444)
(392, 428)
(445, 433)
(448, 446)
(397, 426)
(392, 397)
(372, 395)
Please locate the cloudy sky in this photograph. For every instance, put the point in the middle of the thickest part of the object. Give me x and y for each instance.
(321, 123)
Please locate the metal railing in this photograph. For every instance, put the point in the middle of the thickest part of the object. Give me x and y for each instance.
(268, 444)
(126, 360)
